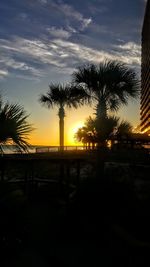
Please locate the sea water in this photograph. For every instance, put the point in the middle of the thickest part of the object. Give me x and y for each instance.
(13, 149)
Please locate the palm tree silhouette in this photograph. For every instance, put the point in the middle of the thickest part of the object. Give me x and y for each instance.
(99, 131)
(86, 136)
(13, 125)
(109, 85)
(63, 96)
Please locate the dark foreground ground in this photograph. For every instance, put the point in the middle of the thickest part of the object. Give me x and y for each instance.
(105, 223)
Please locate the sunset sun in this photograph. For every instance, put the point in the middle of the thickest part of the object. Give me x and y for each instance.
(71, 133)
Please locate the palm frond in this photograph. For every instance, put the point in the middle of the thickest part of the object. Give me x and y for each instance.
(113, 104)
(111, 82)
(64, 95)
(14, 126)
(124, 127)
(46, 100)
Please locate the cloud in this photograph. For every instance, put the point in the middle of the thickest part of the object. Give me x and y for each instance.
(130, 46)
(10, 62)
(129, 55)
(85, 23)
(59, 32)
(69, 12)
(132, 51)
(3, 74)
(36, 57)
(71, 29)
(29, 57)
(42, 1)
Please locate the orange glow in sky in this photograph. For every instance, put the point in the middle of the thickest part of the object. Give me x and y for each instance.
(46, 123)
(39, 139)
(47, 127)
(48, 39)
(71, 132)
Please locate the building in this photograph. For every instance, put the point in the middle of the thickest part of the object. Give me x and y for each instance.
(145, 73)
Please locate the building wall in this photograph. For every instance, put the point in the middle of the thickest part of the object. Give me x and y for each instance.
(145, 72)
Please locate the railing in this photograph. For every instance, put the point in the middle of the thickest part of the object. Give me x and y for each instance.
(46, 149)
(12, 149)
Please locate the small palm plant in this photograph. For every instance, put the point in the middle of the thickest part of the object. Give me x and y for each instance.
(100, 130)
(14, 127)
(63, 96)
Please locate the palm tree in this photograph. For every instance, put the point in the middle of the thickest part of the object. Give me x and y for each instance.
(109, 85)
(102, 130)
(13, 125)
(61, 96)
(87, 137)
(124, 128)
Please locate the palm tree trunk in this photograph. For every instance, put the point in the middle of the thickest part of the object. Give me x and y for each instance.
(61, 115)
(101, 110)
(101, 114)
(61, 133)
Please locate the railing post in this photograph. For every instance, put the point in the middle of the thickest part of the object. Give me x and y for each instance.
(26, 177)
(2, 169)
(61, 176)
(67, 181)
(78, 174)
(32, 176)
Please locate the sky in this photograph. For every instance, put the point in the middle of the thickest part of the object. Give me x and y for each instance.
(44, 41)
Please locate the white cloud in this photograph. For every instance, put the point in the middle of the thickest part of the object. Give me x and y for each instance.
(3, 74)
(92, 55)
(71, 29)
(59, 32)
(132, 51)
(71, 13)
(85, 23)
(33, 51)
(36, 57)
(130, 46)
(9, 62)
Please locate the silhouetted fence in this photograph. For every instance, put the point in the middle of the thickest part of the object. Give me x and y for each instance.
(62, 175)
(13, 149)
(47, 149)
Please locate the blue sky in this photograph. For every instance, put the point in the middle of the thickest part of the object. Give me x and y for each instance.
(43, 41)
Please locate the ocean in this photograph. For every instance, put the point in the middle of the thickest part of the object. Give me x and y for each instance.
(13, 149)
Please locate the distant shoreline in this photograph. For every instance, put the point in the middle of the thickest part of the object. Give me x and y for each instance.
(13, 149)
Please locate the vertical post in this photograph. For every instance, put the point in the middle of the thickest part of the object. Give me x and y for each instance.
(26, 168)
(2, 169)
(61, 133)
(78, 174)
(68, 181)
(61, 115)
(61, 176)
(32, 176)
